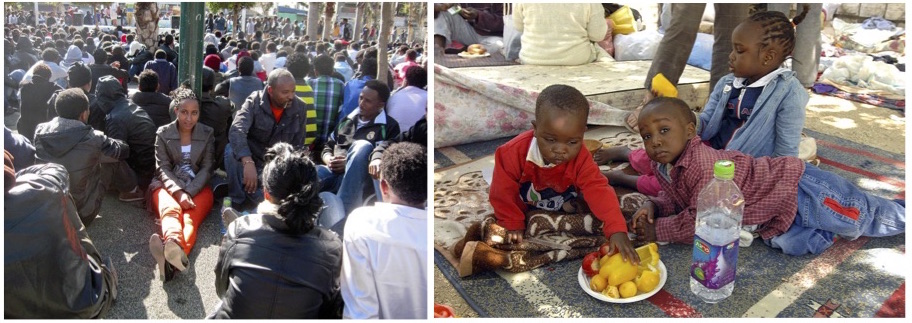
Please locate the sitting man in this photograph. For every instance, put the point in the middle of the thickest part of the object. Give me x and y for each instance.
(268, 116)
(467, 26)
(384, 241)
(127, 122)
(167, 72)
(346, 154)
(150, 100)
(74, 283)
(86, 153)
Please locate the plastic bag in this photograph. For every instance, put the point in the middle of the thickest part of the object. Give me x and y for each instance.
(636, 46)
(701, 54)
(511, 39)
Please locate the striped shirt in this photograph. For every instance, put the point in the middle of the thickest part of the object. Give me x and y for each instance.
(305, 93)
(327, 100)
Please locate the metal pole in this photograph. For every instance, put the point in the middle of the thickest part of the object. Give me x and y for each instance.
(190, 67)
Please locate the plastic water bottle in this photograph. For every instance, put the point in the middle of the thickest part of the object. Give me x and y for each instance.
(720, 206)
(226, 205)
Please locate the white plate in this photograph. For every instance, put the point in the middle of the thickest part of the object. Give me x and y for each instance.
(584, 283)
(467, 55)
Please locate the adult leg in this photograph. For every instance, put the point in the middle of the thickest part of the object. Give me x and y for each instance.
(333, 211)
(728, 16)
(454, 27)
(351, 187)
(329, 181)
(806, 56)
(194, 217)
(169, 211)
(377, 194)
(235, 172)
(673, 51)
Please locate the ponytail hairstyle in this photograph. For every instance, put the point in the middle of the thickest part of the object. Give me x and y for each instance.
(291, 177)
(778, 28)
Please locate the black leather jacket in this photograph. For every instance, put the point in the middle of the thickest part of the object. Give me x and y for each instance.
(264, 272)
(51, 268)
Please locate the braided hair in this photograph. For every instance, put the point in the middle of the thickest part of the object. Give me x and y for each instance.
(777, 27)
(291, 177)
(179, 95)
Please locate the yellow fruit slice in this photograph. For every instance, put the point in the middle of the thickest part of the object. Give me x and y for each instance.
(622, 273)
(649, 254)
(628, 289)
(611, 292)
(603, 260)
(598, 283)
(648, 280)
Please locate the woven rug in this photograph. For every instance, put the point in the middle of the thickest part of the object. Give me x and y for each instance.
(861, 278)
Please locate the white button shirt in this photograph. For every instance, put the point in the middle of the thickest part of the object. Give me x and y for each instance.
(384, 263)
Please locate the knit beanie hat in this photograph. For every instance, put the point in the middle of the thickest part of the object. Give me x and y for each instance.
(213, 61)
(79, 74)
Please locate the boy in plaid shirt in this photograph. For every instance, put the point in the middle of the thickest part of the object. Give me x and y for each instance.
(327, 99)
(792, 205)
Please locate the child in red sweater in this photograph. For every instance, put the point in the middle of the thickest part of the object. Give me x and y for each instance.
(542, 186)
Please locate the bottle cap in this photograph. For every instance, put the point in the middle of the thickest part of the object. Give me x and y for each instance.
(226, 201)
(724, 169)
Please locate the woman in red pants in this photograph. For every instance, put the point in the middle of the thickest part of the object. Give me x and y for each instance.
(180, 192)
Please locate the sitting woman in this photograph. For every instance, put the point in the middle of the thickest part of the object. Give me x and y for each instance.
(560, 33)
(278, 263)
(180, 192)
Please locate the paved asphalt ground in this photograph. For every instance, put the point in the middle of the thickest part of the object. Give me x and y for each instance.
(121, 232)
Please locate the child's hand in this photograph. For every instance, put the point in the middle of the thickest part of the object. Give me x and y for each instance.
(515, 236)
(646, 213)
(645, 231)
(621, 243)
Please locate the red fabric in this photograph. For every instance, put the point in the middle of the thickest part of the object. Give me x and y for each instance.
(769, 186)
(834, 205)
(179, 224)
(261, 75)
(511, 170)
(276, 112)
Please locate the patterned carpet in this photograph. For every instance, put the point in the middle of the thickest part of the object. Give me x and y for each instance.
(861, 278)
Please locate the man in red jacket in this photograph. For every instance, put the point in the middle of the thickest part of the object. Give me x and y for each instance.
(539, 177)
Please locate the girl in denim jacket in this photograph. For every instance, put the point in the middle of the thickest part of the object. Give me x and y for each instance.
(758, 109)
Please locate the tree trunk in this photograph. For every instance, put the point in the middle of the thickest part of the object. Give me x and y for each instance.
(359, 22)
(312, 19)
(328, 13)
(386, 22)
(147, 24)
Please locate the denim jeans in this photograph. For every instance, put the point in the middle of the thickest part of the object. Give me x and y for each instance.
(349, 185)
(829, 205)
(235, 172)
(333, 210)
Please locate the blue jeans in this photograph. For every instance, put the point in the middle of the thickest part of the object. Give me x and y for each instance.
(235, 172)
(333, 210)
(829, 205)
(349, 185)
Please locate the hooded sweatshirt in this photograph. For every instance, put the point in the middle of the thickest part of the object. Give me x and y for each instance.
(73, 55)
(80, 149)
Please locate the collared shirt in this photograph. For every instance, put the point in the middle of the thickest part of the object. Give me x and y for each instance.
(407, 106)
(327, 100)
(384, 263)
(769, 186)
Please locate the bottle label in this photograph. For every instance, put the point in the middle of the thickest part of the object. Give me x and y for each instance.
(714, 266)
